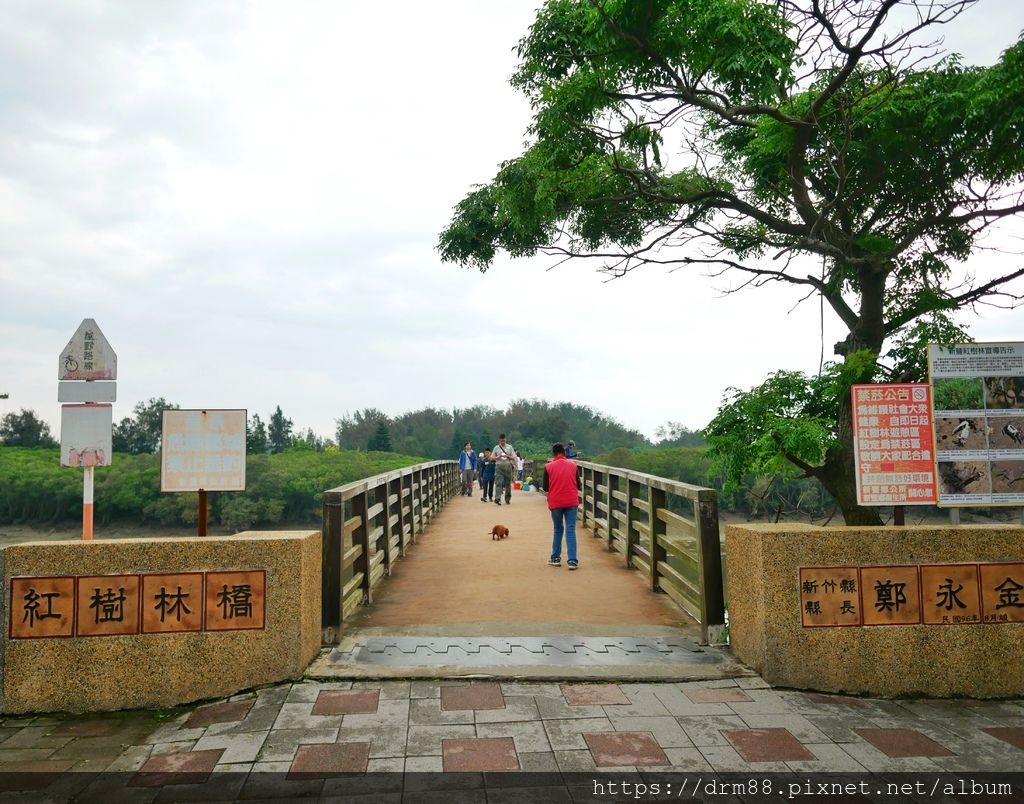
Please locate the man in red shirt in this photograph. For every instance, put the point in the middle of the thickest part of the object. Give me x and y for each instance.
(562, 485)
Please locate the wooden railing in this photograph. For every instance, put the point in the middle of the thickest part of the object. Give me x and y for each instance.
(367, 527)
(667, 529)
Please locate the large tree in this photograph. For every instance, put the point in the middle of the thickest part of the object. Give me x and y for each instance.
(141, 433)
(826, 144)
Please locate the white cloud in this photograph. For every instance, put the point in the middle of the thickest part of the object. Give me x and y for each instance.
(246, 197)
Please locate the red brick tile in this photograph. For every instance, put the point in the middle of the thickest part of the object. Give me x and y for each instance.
(767, 745)
(189, 767)
(593, 694)
(636, 748)
(330, 759)
(903, 743)
(723, 695)
(220, 713)
(346, 702)
(88, 728)
(1014, 735)
(475, 696)
(31, 774)
(479, 754)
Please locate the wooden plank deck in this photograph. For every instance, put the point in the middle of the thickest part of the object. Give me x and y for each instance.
(457, 577)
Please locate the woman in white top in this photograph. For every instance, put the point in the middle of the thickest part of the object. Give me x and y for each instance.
(520, 463)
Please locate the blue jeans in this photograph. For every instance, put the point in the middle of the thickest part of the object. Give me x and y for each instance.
(564, 520)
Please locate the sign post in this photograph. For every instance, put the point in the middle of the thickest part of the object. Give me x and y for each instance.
(87, 422)
(203, 451)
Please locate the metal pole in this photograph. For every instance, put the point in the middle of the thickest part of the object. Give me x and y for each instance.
(87, 486)
(954, 516)
(202, 516)
(899, 515)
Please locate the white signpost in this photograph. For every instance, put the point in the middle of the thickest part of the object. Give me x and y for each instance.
(87, 425)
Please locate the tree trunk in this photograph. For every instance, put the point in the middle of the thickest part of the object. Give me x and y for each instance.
(838, 474)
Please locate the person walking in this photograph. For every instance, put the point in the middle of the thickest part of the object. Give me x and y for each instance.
(562, 485)
(520, 464)
(505, 465)
(486, 466)
(467, 466)
(570, 450)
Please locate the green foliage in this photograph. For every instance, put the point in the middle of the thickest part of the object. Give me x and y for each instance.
(381, 440)
(685, 464)
(25, 429)
(281, 489)
(789, 421)
(909, 350)
(279, 432)
(956, 393)
(140, 433)
(532, 426)
(256, 441)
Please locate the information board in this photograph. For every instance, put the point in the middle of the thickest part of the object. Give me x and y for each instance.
(203, 449)
(892, 444)
(978, 397)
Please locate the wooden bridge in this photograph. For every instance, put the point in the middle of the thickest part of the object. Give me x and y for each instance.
(415, 586)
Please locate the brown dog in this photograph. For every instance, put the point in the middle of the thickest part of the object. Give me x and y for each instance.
(498, 532)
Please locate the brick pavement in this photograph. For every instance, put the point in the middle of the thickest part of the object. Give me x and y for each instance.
(307, 739)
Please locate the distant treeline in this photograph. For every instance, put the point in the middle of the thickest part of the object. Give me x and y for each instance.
(280, 489)
(532, 426)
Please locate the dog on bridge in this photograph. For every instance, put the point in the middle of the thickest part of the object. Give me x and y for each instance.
(498, 532)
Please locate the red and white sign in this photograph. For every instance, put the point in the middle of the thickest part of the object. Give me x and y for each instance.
(893, 444)
(85, 435)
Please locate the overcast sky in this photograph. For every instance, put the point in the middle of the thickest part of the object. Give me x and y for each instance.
(246, 196)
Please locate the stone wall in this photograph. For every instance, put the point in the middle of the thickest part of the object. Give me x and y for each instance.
(75, 672)
(766, 612)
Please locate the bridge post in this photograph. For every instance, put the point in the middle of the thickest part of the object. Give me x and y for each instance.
(417, 503)
(632, 511)
(395, 514)
(361, 536)
(333, 538)
(611, 486)
(408, 530)
(656, 499)
(710, 552)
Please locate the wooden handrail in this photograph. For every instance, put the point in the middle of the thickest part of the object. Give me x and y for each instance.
(634, 513)
(368, 525)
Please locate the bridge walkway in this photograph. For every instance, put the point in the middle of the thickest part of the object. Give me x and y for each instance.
(462, 604)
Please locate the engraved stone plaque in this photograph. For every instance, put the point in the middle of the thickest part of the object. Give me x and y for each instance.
(950, 594)
(108, 605)
(890, 595)
(42, 607)
(236, 601)
(829, 596)
(1002, 593)
(172, 603)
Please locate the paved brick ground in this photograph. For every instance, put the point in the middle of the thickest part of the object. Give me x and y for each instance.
(307, 739)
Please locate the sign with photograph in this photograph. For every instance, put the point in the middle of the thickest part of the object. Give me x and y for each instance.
(203, 450)
(978, 397)
(892, 444)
